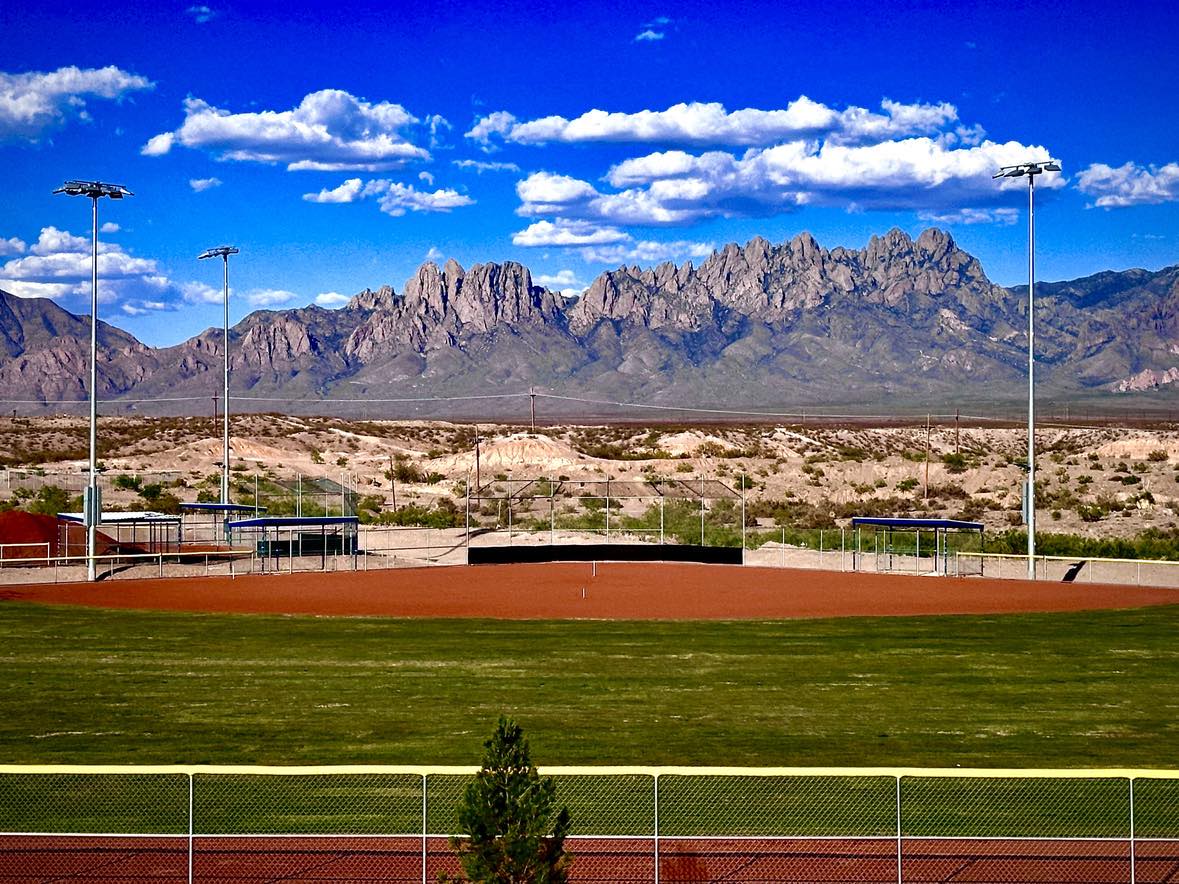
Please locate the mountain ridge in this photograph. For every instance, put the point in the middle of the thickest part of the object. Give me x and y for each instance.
(758, 325)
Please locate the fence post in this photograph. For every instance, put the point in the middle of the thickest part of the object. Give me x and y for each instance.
(900, 871)
(1133, 858)
(190, 826)
(656, 828)
(425, 829)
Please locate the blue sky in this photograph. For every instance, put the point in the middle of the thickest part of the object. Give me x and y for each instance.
(341, 146)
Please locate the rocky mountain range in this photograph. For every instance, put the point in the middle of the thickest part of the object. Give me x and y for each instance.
(900, 323)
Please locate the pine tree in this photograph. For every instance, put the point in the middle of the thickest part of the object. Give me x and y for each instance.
(515, 835)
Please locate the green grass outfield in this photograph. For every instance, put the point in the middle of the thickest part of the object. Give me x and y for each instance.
(1059, 690)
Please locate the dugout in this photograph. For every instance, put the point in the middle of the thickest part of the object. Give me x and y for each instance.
(144, 531)
(896, 543)
(209, 522)
(289, 537)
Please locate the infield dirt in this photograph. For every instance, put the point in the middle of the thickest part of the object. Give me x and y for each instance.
(602, 591)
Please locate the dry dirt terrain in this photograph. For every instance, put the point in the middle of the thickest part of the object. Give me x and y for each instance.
(1100, 481)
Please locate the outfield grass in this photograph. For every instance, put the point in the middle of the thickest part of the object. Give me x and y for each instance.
(1061, 690)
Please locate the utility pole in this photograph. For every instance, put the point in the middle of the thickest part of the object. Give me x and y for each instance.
(478, 480)
(927, 457)
(532, 405)
(957, 434)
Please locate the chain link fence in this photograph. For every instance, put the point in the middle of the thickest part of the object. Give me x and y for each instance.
(628, 824)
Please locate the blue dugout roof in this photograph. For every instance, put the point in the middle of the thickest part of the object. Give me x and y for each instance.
(221, 508)
(295, 522)
(916, 524)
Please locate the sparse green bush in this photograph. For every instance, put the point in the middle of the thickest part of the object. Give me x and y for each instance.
(955, 462)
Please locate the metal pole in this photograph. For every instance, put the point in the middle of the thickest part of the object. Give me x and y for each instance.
(94, 511)
(926, 492)
(1031, 506)
(702, 509)
(607, 508)
(656, 828)
(900, 879)
(190, 827)
(225, 391)
(425, 828)
(1133, 859)
(742, 518)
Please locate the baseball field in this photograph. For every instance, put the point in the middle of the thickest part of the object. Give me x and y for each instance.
(666, 667)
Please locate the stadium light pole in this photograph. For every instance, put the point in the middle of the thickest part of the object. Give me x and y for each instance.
(223, 252)
(92, 503)
(1030, 170)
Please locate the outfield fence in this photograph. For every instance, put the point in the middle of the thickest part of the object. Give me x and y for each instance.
(1073, 569)
(385, 547)
(629, 824)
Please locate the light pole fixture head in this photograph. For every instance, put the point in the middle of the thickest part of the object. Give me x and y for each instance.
(1027, 170)
(94, 189)
(219, 252)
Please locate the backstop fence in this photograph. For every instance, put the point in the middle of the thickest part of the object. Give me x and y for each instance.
(629, 824)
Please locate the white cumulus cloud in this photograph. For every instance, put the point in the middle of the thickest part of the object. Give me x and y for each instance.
(58, 265)
(263, 298)
(562, 279)
(33, 103)
(12, 246)
(647, 251)
(200, 185)
(676, 187)
(331, 299)
(109, 227)
(140, 307)
(201, 293)
(330, 130)
(480, 167)
(971, 216)
(1130, 184)
(563, 232)
(649, 36)
(710, 123)
(393, 198)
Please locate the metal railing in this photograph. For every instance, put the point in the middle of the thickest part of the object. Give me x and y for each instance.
(1073, 569)
(628, 823)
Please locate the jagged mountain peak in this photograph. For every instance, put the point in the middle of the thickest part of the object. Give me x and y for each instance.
(755, 324)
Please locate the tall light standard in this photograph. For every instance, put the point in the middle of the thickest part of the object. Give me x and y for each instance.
(92, 502)
(1030, 170)
(223, 252)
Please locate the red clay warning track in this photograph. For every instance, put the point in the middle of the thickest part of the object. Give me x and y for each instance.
(618, 591)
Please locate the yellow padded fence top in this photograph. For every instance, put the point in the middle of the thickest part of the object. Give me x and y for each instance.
(426, 770)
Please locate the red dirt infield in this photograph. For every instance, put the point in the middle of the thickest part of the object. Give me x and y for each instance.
(618, 591)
